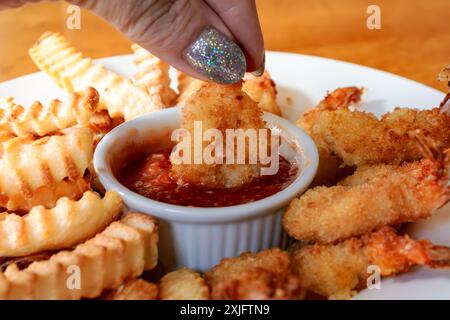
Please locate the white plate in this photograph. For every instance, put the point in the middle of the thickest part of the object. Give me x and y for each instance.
(305, 80)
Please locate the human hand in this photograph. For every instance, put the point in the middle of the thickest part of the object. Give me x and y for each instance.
(209, 39)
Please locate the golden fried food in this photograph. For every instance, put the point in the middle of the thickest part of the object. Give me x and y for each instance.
(101, 121)
(136, 289)
(67, 224)
(183, 284)
(331, 168)
(153, 73)
(39, 120)
(4, 136)
(373, 197)
(218, 107)
(262, 90)
(339, 271)
(260, 276)
(47, 196)
(186, 87)
(32, 168)
(359, 138)
(444, 75)
(341, 98)
(103, 262)
(150, 233)
(64, 64)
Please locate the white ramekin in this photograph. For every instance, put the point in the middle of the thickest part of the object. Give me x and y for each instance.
(199, 238)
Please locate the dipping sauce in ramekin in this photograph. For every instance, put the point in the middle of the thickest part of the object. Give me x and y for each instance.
(150, 176)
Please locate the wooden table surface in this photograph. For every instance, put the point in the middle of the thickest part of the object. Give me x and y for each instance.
(414, 40)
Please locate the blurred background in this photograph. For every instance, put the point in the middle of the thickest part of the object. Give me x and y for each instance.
(414, 40)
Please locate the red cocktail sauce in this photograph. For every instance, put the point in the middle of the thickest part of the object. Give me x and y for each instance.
(150, 177)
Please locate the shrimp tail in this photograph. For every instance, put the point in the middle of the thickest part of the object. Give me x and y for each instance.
(430, 148)
(342, 98)
(439, 257)
(444, 76)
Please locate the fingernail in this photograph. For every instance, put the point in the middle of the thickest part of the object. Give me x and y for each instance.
(216, 57)
(259, 72)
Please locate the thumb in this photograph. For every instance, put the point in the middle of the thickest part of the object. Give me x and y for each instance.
(188, 34)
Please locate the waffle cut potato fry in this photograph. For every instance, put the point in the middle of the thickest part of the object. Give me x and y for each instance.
(136, 289)
(40, 121)
(67, 224)
(64, 64)
(183, 284)
(103, 262)
(32, 168)
(153, 73)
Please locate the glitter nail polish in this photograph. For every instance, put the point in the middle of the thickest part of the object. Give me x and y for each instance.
(215, 56)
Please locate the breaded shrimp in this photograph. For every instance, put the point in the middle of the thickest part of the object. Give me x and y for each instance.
(330, 166)
(341, 98)
(186, 87)
(373, 197)
(339, 271)
(444, 76)
(260, 276)
(220, 107)
(359, 138)
(262, 90)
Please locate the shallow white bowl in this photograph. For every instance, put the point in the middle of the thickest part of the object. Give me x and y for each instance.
(199, 238)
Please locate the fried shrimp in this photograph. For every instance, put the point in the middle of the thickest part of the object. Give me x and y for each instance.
(264, 275)
(373, 197)
(262, 90)
(330, 166)
(359, 138)
(219, 108)
(338, 99)
(339, 271)
(444, 76)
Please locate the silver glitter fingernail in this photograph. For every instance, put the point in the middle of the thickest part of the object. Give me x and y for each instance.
(216, 57)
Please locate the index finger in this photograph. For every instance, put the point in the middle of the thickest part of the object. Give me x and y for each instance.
(241, 18)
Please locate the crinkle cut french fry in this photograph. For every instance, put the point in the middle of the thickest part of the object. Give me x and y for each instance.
(39, 120)
(64, 64)
(28, 165)
(183, 284)
(47, 196)
(103, 262)
(136, 289)
(151, 234)
(153, 73)
(67, 224)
